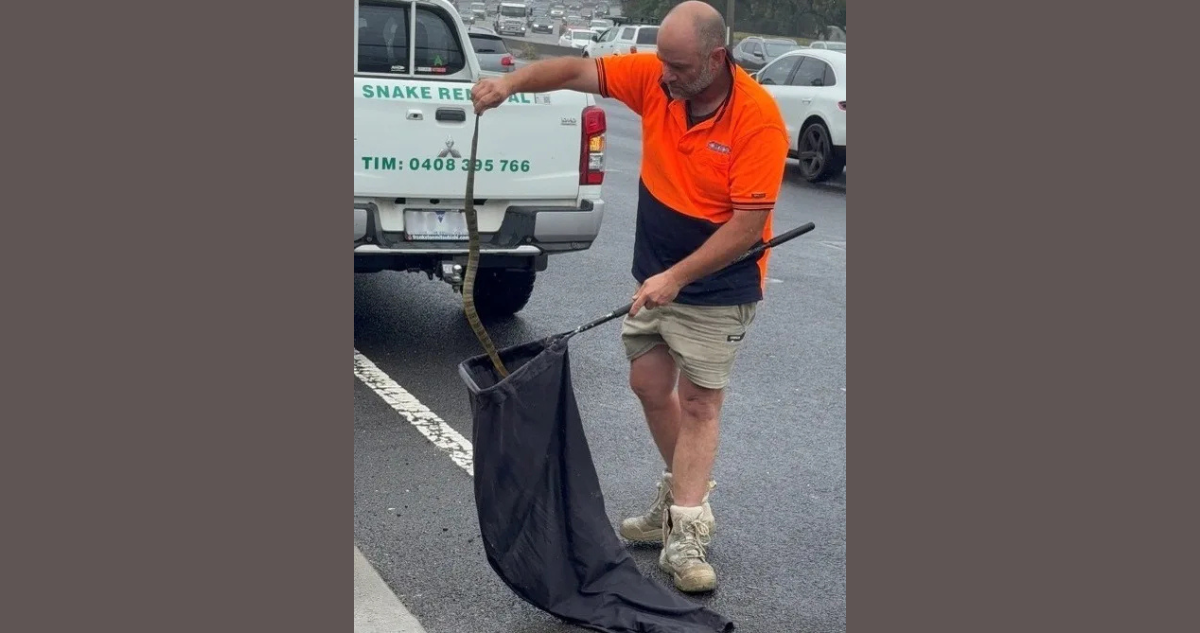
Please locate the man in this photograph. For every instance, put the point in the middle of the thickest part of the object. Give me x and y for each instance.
(713, 152)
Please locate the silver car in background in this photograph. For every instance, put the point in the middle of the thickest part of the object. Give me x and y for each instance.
(493, 54)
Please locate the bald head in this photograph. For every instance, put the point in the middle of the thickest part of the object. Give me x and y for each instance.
(694, 22)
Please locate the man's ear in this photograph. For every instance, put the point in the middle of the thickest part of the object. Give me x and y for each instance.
(721, 54)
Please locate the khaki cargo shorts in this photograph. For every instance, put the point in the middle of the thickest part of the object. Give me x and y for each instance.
(703, 340)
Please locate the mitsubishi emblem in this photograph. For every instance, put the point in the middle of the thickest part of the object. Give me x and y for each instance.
(449, 151)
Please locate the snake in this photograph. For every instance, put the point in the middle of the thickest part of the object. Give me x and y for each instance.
(468, 290)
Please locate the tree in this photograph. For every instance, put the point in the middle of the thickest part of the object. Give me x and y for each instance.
(795, 18)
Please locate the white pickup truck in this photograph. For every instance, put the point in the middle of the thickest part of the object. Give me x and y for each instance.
(538, 175)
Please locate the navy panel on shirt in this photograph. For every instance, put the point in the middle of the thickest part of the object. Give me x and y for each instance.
(664, 237)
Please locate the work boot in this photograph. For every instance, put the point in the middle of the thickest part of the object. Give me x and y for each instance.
(688, 532)
(648, 527)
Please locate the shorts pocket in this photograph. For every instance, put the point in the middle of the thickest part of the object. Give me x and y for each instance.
(746, 313)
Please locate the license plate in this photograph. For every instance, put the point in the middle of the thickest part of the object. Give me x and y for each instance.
(436, 225)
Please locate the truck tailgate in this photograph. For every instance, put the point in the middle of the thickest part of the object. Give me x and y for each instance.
(413, 138)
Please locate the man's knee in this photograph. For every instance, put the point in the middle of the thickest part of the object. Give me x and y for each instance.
(652, 375)
(699, 404)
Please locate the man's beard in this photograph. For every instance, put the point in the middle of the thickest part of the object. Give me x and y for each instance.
(689, 90)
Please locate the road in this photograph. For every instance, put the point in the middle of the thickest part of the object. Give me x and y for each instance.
(546, 38)
(780, 502)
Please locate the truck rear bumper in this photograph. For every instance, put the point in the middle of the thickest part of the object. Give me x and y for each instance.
(525, 231)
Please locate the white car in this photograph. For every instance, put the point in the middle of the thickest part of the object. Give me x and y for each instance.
(576, 38)
(624, 40)
(810, 87)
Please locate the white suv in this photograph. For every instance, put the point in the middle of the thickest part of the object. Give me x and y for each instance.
(624, 39)
(810, 87)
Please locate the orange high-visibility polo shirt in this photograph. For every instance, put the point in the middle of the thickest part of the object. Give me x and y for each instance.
(693, 179)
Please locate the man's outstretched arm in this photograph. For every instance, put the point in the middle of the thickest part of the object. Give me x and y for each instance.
(569, 73)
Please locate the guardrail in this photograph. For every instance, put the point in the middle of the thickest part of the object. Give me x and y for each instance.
(517, 45)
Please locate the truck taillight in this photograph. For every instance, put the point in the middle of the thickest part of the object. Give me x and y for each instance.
(591, 153)
(507, 60)
(633, 49)
(842, 106)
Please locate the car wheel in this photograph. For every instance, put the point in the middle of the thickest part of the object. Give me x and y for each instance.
(818, 161)
(500, 294)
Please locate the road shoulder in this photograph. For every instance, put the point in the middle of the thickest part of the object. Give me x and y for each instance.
(376, 608)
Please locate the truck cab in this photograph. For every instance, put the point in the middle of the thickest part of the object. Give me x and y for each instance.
(511, 18)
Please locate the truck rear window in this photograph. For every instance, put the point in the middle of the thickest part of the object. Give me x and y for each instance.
(437, 47)
(384, 46)
(648, 35)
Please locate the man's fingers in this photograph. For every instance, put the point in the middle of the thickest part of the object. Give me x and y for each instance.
(485, 96)
(638, 301)
(488, 93)
(487, 102)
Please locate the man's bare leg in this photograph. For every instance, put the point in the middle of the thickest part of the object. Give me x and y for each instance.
(653, 376)
(696, 441)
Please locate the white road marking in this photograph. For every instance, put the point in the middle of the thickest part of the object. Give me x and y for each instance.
(427, 422)
(841, 246)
